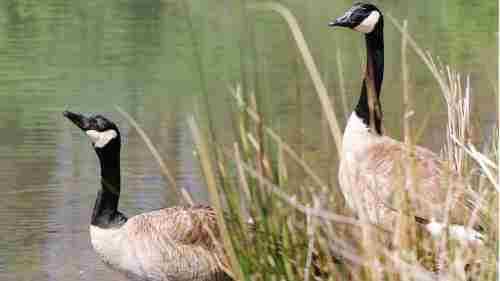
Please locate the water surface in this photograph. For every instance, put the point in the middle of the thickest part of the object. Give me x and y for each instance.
(92, 55)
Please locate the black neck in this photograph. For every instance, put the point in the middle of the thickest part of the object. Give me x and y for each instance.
(105, 212)
(368, 108)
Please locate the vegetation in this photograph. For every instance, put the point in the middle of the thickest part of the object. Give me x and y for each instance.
(142, 55)
(275, 232)
(276, 229)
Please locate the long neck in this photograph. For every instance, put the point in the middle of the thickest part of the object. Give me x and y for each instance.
(368, 108)
(105, 212)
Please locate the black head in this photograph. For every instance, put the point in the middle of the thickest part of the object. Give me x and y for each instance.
(361, 17)
(101, 131)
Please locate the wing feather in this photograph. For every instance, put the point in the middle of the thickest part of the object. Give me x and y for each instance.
(177, 243)
(383, 169)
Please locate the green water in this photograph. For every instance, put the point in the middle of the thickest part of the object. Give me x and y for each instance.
(142, 55)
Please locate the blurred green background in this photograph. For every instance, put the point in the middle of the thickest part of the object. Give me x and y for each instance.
(147, 56)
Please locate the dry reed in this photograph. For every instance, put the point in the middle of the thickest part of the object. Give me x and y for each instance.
(287, 239)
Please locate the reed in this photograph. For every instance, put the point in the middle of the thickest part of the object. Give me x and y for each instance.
(343, 94)
(271, 231)
(319, 86)
(163, 166)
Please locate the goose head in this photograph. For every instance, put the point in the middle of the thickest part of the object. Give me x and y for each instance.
(361, 17)
(103, 133)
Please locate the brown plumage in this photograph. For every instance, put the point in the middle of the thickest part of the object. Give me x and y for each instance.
(374, 167)
(375, 171)
(173, 244)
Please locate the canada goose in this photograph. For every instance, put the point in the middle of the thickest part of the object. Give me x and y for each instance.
(371, 162)
(171, 244)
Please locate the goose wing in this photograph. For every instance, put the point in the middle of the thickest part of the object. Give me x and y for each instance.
(385, 169)
(177, 244)
(181, 225)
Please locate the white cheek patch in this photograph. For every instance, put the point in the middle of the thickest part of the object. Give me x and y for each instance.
(100, 139)
(368, 24)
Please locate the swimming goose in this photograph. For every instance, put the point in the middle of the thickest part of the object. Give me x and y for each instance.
(372, 163)
(171, 244)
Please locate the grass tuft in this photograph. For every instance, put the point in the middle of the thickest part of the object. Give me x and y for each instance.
(273, 231)
(281, 233)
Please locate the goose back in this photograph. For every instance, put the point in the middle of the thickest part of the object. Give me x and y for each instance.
(171, 244)
(374, 167)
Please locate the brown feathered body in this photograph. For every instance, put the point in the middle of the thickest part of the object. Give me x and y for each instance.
(174, 244)
(375, 167)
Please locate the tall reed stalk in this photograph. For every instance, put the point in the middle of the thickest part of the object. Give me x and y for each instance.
(319, 86)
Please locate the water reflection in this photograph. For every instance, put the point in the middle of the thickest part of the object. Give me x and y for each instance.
(91, 55)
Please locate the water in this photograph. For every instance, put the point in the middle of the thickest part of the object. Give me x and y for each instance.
(91, 55)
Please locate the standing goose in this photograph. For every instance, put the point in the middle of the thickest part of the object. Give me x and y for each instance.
(371, 162)
(171, 244)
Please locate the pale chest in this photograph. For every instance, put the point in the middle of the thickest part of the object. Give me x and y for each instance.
(111, 244)
(353, 180)
(357, 140)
